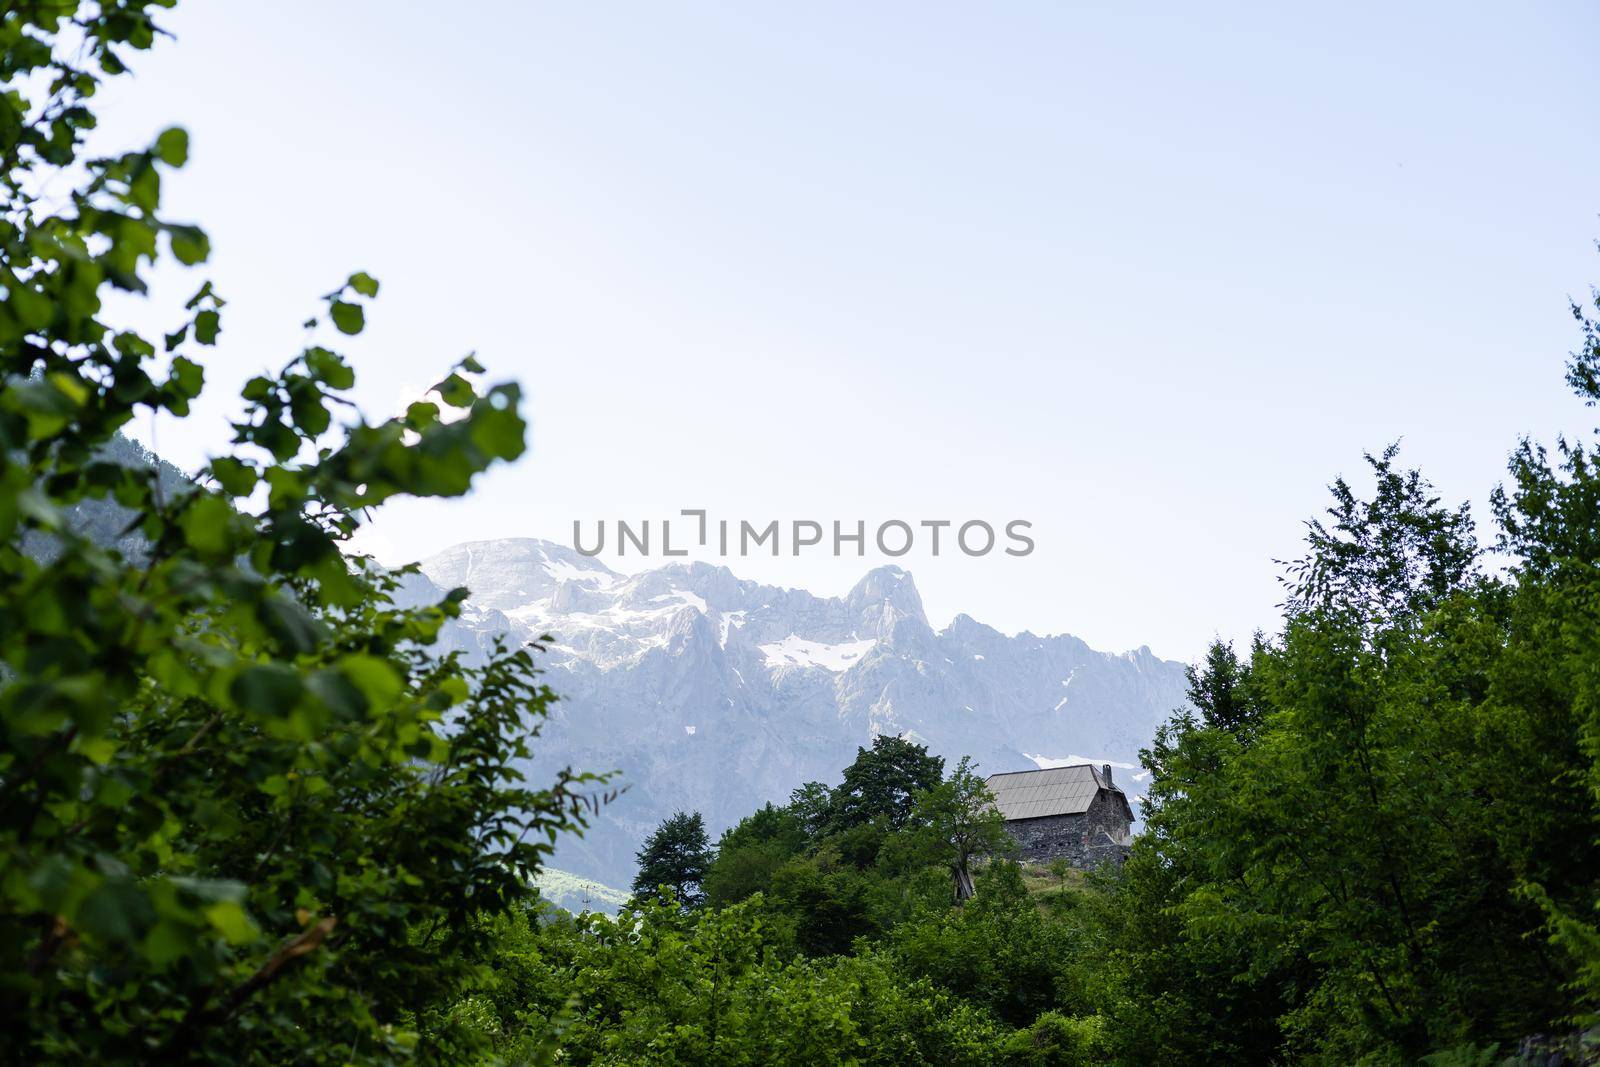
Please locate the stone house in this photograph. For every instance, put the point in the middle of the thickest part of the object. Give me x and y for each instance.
(1074, 813)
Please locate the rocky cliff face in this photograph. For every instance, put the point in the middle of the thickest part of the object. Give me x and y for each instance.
(715, 694)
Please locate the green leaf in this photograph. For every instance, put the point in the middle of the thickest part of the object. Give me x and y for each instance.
(167, 942)
(172, 146)
(235, 477)
(374, 677)
(347, 317)
(305, 405)
(201, 295)
(187, 377)
(230, 920)
(498, 433)
(454, 687)
(456, 391)
(207, 324)
(363, 283)
(116, 911)
(206, 525)
(47, 406)
(338, 694)
(330, 368)
(422, 414)
(290, 624)
(144, 191)
(97, 749)
(31, 307)
(267, 689)
(190, 245)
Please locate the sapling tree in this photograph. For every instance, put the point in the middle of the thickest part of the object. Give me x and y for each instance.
(959, 819)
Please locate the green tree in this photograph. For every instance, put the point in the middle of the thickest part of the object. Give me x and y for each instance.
(1369, 872)
(751, 852)
(1547, 700)
(812, 804)
(829, 903)
(1220, 689)
(248, 813)
(1386, 559)
(883, 782)
(1062, 870)
(960, 822)
(675, 855)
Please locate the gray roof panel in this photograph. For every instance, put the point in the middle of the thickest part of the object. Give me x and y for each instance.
(1052, 791)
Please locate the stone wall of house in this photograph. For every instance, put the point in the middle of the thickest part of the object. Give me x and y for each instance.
(1086, 840)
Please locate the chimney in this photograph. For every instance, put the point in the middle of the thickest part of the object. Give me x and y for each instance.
(1105, 772)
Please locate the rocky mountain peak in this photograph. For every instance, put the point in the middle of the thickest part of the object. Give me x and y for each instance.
(509, 572)
(884, 600)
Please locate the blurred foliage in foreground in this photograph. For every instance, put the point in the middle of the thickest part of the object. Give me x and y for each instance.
(246, 814)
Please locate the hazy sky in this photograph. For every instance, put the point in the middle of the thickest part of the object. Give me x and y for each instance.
(1146, 276)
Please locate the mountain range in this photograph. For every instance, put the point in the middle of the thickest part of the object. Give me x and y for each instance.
(715, 694)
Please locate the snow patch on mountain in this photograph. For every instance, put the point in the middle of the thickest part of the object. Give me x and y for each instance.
(795, 651)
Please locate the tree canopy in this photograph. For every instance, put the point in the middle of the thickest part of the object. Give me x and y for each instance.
(675, 857)
(883, 782)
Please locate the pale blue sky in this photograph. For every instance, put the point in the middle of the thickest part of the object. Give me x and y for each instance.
(1148, 276)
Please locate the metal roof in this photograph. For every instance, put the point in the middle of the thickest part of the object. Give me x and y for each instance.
(1052, 791)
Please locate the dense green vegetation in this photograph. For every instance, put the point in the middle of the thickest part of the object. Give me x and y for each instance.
(249, 814)
(828, 930)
